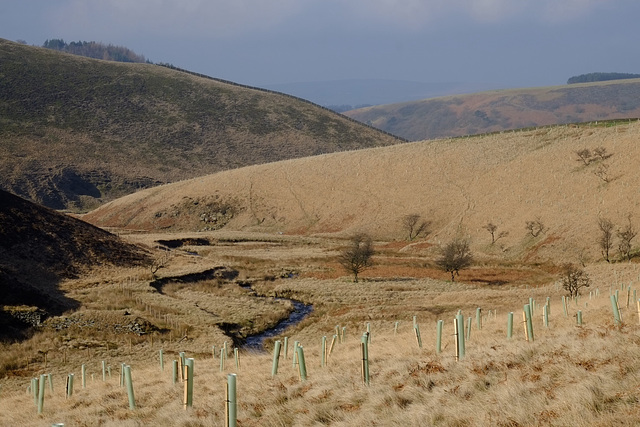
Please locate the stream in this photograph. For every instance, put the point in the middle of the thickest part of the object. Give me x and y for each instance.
(300, 311)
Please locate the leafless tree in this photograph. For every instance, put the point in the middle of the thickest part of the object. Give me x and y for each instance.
(414, 225)
(535, 227)
(455, 256)
(573, 279)
(493, 229)
(158, 263)
(584, 156)
(358, 255)
(601, 153)
(626, 235)
(605, 239)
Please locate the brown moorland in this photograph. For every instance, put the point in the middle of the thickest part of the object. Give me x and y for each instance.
(76, 132)
(579, 375)
(500, 110)
(274, 232)
(458, 185)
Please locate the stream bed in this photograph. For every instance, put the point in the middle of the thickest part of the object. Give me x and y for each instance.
(300, 311)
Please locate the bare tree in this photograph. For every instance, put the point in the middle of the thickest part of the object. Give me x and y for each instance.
(358, 255)
(493, 229)
(605, 239)
(626, 235)
(584, 156)
(158, 263)
(601, 153)
(455, 256)
(573, 279)
(535, 227)
(414, 225)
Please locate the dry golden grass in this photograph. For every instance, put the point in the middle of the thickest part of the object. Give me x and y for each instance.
(459, 185)
(570, 375)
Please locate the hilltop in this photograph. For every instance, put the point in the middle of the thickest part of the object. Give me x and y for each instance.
(499, 110)
(75, 131)
(459, 185)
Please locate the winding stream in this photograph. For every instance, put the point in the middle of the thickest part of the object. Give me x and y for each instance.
(300, 311)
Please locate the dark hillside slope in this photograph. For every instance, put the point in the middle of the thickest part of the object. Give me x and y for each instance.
(75, 132)
(39, 247)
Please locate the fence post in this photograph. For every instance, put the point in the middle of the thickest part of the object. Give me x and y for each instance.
(439, 336)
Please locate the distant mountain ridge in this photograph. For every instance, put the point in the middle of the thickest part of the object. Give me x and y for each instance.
(499, 110)
(338, 94)
(76, 132)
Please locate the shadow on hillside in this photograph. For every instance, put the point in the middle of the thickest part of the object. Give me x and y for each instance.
(28, 298)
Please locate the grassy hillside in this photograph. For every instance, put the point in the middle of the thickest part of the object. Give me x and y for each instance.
(40, 247)
(505, 109)
(459, 185)
(75, 131)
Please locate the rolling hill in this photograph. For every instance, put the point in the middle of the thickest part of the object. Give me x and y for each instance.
(495, 111)
(75, 131)
(459, 185)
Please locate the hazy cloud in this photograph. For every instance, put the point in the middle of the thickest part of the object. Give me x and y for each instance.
(417, 14)
(225, 18)
(190, 18)
(512, 42)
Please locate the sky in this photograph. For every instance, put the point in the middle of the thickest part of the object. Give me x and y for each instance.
(509, 43)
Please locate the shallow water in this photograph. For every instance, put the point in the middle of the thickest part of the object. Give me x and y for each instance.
(300, 311)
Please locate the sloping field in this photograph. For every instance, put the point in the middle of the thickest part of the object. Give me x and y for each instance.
(495, 111)
(459, 185)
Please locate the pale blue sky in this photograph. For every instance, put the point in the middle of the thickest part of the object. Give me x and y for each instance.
(512, 43)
